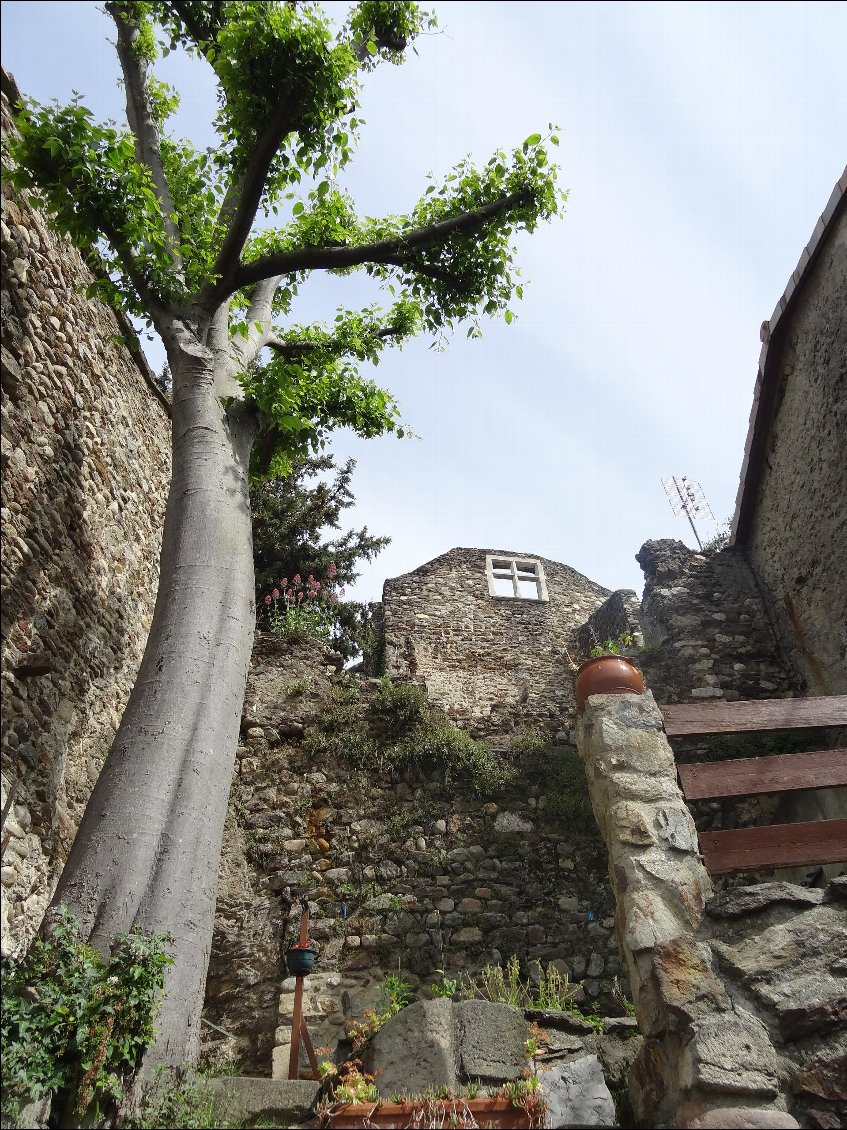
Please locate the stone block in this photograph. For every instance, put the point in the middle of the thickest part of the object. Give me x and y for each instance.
(730, 1052)
(697, 1116)
(748, 900)
(490, 1040)
(242, 1098)
(577, 1094)
(416, 1049)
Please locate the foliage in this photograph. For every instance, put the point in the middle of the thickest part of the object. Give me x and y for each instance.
(175, 225)
(291, 515)
(396, 995)
(563, 774)
(403, 732)
(615, 646)
(75, 1022)
(299, 609)
(505, 986)
(720, 540)
(445, 986)
(183, 1105)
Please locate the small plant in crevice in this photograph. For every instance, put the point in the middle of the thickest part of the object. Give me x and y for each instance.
(182, 1105)
(561, 772)
(396, 995)
(76, 1023)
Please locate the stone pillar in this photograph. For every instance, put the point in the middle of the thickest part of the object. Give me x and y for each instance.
(703, 1055)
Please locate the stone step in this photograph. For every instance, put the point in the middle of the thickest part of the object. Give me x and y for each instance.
(289, 1101)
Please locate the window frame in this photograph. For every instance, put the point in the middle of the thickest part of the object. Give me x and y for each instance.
(516, 569)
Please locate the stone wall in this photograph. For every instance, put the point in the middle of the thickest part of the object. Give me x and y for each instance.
(401, 872)
(798, 530)
(707, 634)
(496, 664)
(86, 464)
(741, 998)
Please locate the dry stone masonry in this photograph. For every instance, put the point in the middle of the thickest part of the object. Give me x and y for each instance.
(496, 663)
(401, 872)
(741, 997)
(86, 462)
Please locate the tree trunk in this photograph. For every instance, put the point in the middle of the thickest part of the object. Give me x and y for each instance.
(148, 848)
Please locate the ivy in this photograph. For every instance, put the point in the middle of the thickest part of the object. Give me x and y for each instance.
(74, 1022)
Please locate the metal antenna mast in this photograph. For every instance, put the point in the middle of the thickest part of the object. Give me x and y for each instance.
(686, 497)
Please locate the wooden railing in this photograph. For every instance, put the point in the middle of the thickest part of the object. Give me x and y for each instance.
(777, 845)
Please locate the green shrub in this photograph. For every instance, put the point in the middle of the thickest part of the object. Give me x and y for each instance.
(402, 732)
(76, 1023)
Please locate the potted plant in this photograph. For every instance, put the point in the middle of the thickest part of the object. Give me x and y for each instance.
(300, 958)
(607, 670)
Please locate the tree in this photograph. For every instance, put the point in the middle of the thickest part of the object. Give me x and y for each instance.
(179, 235)
(289, 523)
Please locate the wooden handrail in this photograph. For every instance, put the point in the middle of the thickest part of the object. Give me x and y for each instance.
(777, 845)
(752, 776)
(686, 718)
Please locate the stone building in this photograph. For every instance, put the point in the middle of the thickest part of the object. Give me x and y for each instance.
(791, 511)
(488, 632)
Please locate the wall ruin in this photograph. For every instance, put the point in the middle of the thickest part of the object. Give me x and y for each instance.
(86, 464)
(495, 663)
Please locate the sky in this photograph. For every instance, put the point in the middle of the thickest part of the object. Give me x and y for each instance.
(699, 145)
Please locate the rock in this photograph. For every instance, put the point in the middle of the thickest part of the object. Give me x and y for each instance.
(837, 888)
(577, 1094)
(490, 1039)
(563, 1021)
(696, 1116)
(730, 1052)
(826, 1078)
(748, 900)
(415, 1050)
(284, 1102)
(810, 1019)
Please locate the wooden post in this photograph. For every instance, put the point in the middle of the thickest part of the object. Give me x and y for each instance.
(298, 1021)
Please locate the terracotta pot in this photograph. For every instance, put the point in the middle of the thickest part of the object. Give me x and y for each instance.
(607, 674)
(495, 1112)
(300, 961)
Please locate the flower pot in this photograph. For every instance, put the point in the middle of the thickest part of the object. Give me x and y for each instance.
(300, 961)
(494, 1112)
(607, 674)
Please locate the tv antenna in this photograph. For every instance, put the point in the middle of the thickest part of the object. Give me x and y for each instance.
(686, 497)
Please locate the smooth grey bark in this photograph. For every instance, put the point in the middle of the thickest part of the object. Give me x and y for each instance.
(148, 848)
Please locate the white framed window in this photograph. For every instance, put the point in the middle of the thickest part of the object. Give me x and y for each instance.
(516, 577)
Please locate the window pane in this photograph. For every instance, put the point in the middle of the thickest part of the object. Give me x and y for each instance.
(503, 587)
(528, 588)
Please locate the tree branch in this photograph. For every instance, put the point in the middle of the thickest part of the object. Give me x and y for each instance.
(197, 32)
(144, 128)
(293, 349)
(161, 314)
(388, 251)
(238, 210)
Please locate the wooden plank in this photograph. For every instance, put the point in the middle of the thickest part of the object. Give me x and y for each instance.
(683, 718)
(779, 845)
(751, 776)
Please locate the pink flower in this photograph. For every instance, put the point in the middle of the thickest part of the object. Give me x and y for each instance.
(299, 596)
(311, 579)
(296, 580)
(275, 594)
(283, 582)
(268, 599)
(332, 570)
(333, 599)
(290, 594)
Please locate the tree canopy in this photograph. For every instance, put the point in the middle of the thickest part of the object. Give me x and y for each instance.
(176, 226)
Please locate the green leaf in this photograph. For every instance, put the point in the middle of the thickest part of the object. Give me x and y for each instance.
(533, 139)
(509, 316)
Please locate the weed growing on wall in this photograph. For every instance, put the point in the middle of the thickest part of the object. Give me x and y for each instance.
(75, 1023)
(401, 732)
(560, 772)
